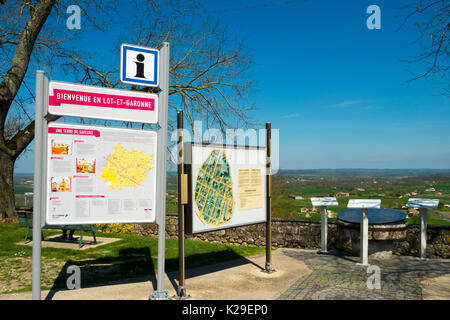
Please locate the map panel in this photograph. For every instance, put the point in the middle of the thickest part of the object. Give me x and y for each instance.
(126, 168)
(100, 175)
(214, 190)
(228, 187)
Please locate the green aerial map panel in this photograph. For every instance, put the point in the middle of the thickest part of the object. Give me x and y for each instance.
(214, 190)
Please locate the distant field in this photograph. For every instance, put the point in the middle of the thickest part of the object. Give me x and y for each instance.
(22, 190)
(443, 187)
(393, 187)
(22, 184)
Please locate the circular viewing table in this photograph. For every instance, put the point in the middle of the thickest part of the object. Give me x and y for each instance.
(376, 216)
(382, 227)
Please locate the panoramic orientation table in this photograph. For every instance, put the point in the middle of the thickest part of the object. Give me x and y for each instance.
(323, 203)
(375, 216)
(423, 205)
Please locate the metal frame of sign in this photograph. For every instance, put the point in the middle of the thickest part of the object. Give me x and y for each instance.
(40, 164)
(185, 195)
(189, 227)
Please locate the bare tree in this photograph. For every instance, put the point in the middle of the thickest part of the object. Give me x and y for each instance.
(431, 19)
(15, 67)
(207, 73)
(207, 66)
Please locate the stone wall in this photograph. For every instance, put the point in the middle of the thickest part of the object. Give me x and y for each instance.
(288, 233)
(438, 242)
(296, 233)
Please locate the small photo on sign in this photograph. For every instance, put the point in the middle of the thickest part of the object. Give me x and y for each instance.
(63, 184)
(85, 165)
(61, 147)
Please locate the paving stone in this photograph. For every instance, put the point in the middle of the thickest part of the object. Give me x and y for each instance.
(337, 276)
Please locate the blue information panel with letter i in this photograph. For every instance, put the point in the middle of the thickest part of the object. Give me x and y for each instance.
(139, 65)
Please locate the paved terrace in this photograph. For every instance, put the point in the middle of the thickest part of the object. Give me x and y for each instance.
(300, 275)
(336, 276)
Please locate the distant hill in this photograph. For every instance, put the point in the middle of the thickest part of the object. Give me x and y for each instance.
(366, 172)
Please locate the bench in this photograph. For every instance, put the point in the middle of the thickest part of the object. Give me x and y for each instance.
(26, 220)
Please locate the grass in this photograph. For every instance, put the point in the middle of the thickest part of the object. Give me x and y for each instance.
(22, 190)
(432, 219)
(133, 256)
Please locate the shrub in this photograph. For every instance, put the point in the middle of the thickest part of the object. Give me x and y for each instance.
(116, 228)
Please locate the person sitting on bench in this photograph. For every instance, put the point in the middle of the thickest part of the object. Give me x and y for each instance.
(64, 235)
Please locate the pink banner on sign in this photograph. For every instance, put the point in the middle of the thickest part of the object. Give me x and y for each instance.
(80, 132)
(61, 96)
(89, 196)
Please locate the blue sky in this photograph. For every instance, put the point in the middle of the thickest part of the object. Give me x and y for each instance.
(334, 89)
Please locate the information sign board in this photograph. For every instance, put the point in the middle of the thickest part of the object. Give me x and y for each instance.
(324, 201)
(228, 187)
(422, 203)
(76, 100)
(100, 175)
(364, 203)
(139, 65)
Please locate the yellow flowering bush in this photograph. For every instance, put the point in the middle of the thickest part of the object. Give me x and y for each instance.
(116, 228)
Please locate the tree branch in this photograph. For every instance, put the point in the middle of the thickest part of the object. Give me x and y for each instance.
(19, 63)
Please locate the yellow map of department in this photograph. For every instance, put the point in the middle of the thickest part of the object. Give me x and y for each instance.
(126, 168)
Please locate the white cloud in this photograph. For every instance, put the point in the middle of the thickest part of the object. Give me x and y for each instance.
(349, 103)
(291, 116)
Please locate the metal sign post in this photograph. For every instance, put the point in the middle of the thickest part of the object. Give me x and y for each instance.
(268, 268)
(324, 229)
(364, 235)
(323, 203)
(182, 200)
(364, 205)
(423, 232)
(39, 127)
(160, 293)
(423, 205)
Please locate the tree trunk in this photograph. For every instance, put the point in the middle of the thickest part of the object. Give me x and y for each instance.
(7, 199)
